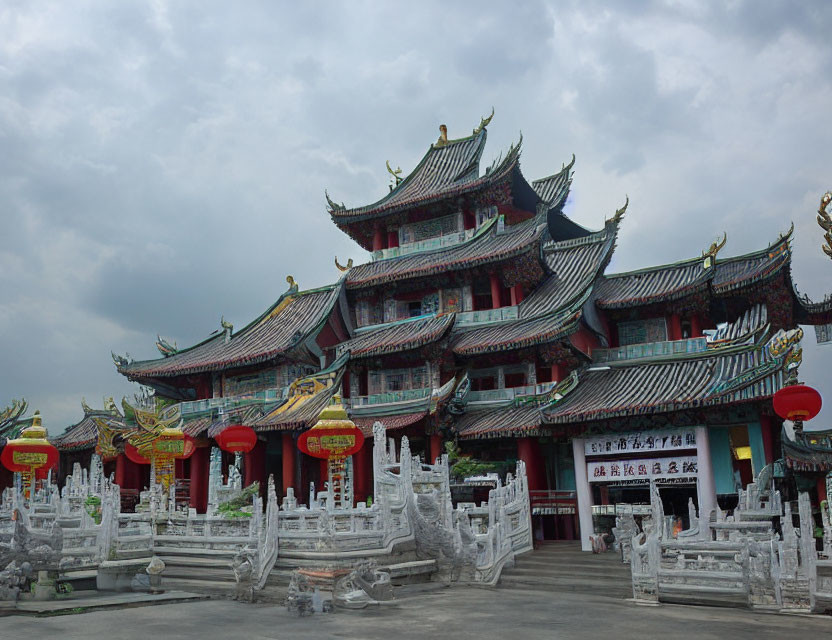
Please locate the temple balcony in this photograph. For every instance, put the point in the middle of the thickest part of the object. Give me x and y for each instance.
(666, 348)
(468, 318)
(508, 395)
(233, 402)
(390, 397)
(429, 244)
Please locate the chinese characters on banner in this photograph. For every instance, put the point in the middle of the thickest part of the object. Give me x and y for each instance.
(643, 441)
(646, 469)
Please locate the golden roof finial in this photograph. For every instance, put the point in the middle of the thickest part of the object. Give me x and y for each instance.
(443, 136)
(484, 122)
(619, 213)
(396, 173)
(716, 246)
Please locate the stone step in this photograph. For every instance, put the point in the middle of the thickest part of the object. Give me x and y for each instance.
(213, 587)
(163, 550)
(616, 589)
(210, 574)
(197, 561)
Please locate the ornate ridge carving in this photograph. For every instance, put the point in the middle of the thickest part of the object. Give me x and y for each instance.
(396, 173)
(825, 222)
(619, 213)
(334, 206)
(166, 348)
(341, 267)
(484, 122)
(715, 247)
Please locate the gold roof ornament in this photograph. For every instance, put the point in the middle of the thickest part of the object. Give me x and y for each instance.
(341, 267)
(334, 206)
(396, 173)
(619, 213)
(443, 136)
(825, 222)
(710, 255)
(35, 433)
(484, 122)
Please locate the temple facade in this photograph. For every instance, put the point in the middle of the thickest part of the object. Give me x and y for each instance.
(486, 317)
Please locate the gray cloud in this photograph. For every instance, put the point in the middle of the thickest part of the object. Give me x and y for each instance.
(163, 164)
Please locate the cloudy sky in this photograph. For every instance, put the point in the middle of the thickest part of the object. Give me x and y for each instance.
(163, 164)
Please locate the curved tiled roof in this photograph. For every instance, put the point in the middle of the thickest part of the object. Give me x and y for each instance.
(483, 249)
(652, 285)
(391, 423)
(82, 435)
(573, 265)
(278, 332)
(741, 271)
(553, 309)
(444, 170)
(674, 281)
(737, 375)
(516, 334)
(498, 423)
(399, 336)
(554, 189)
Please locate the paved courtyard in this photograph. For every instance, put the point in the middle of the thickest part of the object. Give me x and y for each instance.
(460, 612)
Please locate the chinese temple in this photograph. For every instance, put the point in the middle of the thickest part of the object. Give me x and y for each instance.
(485, 316)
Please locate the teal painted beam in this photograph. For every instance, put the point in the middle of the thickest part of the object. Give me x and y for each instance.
(758, 450)
(721, 460)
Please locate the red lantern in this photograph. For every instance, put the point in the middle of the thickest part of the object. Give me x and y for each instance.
(797, 402)
(30, 453)
(331, 441)
(237, 438)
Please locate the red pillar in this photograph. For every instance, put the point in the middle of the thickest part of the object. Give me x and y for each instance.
(558, 372)
(288, 462)
(392, 239)
(200, 467)
(695, 326)
(469, 221)
(254, 462)
(528, 450)
(435, 443)
(179, 468)
(378, 239)
(768, 438)
(120, 476)
(495, 290)
(362, 472)
(323, 465)
(675, 329)
(821, 489)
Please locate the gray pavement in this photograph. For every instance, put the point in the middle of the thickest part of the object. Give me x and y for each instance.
(458, 613)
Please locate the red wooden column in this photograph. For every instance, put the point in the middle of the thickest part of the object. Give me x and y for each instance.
(435, 444)
(288, 462)
(495, 290)
(254, 462)
(558, 372)
(179, 468)
(528, 450)
(821, 489)
(675, 328)
(323, 465)
(695, 326)
(200, 463)
(768, 438)
(120, 475)
(378, 239)
(392, 239)
(363, 472)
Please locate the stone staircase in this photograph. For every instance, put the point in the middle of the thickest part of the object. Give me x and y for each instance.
(563, 567)
(197, 569)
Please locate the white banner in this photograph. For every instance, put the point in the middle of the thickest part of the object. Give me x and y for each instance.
(646, 469)
(640, 442)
